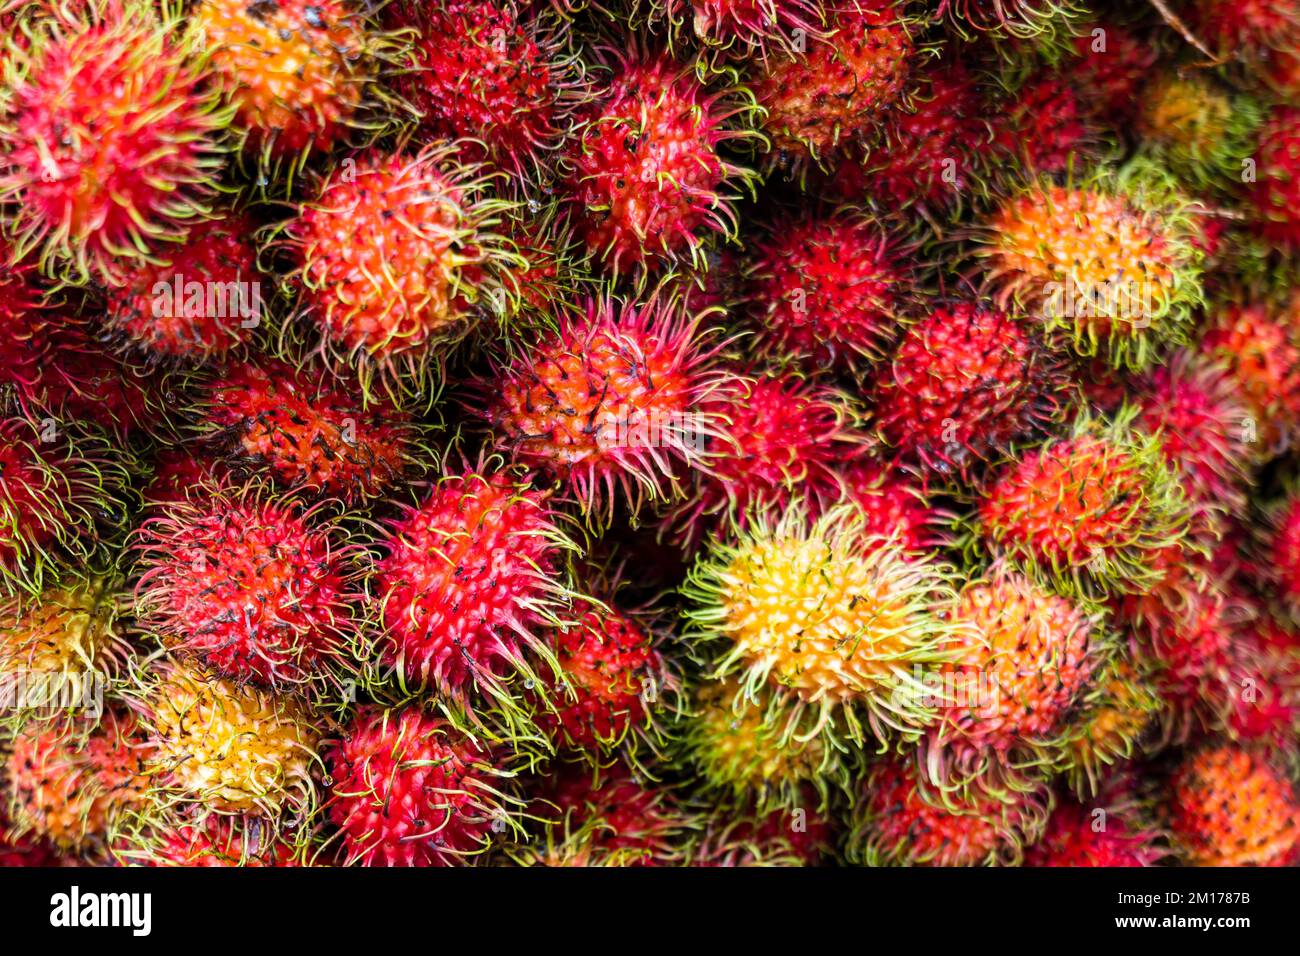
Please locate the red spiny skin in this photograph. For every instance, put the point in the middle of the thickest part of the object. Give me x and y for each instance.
(1071, 839)
(111, 140)
(1195, 660)
(831, 96)
(608, 403)
(387, 252)
(610, 663)
(1194, 407)
(1275, 194)
(826, 291)
(1066, 501)
(638, 820)
(219, 301)
(1267, 663)
(893, 505)
(1251, 30)
(752, 25)
(966, 384)
(306, 428)
(411, 790)
(787, 836)
(1227, 806)
(1284, 550)
(1259, 351)
(217, 843)
(778, 437)
(1111, 68)
(21, 851)
(1046, 128)
(461, 579)
(646, 175)
(251, 587)
(23, 320)
(485, 70)
(179, 473)
(933, 155)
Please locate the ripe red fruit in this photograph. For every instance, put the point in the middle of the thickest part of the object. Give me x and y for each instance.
(465, 581)
(409, 789)
(111, 139)
(967, 384)
(647, 174)
(827, 291)
(1046, 128)
(1111, 64)
(214, 841)
(1275, 194)
(893, 505)
(638, 822)
(1072, 838)
(610, 403)
(744, 27)
(251, 585)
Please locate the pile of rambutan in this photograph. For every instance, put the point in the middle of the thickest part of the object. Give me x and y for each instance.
(649, 433)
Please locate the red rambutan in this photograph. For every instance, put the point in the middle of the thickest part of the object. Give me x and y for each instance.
(1274, 194)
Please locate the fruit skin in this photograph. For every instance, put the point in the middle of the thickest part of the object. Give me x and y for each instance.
(967, 384)
(1117, 719)
(92, 185)
(305, 428)
(1045, 128)
(647, 175)
(396, 255)
(409, 789)
(1108, 262)
(68, 782)
(894, 506)
(611, 404)
(224, 747)
(160, 324)
(822, 101)
(299, 75)
(1274, 197)
(825, 292)
(741, 29)
(1018, 19)
(252, 585)
(1226, 806)
(1072, 838)
(826, 619)
(776, 838)
(465, 581)
(1280, 535)
(1110, 63)
(1086, 513)
(1261, 36)
(210, 840)
(493, 71)
(1201, 131)
(899, 819)
(63, 493)
(779, 438)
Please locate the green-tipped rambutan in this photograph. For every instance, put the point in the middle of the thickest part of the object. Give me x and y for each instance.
(611, 403)
(743, 28)
(1013, 19)
(252, 585)
(1198, 128)
(110, 137)
(648, 176)
(1086, 836)
(409, 789)
(205, 840)
(1108, 263)
(798, 837)
(834, 625)
(1087, 512)
(1114, 721)
(967, 384)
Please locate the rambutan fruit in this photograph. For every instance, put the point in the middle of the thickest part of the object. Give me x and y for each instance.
(300, 75)
(1191, 404)
(393, 256)
(1259, 35)
(180, 474)
(826, 619)
(1110, 63)
(465, 581)
(1114, 721)
(899, 819)
(967, 384)
(797, 837)
(228, 747)
(64, 645)
(552, 267)
(409, 789)
(68, 782)
(1081, 836)
(491, 71)
(1274, 195)
(1023, 664)
(1227, 806)
(614, 682)
(23, 850)
(110, 138)
(829, 97)
(741, 756)
(63, 492)
(610, 403)
(1256, 343)
(1015, 19)
(743, 28)
(1087, 512)
(252, 585)
(198, 301)
(648, 173)
(779, 438)
(894, 506)
(1200, 130)
(305, 428)
(826, 291)
(1280, 534)
(1266, 672)
(1108, 264)
(1193, 664)
(1045, 127)
(211, 840)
